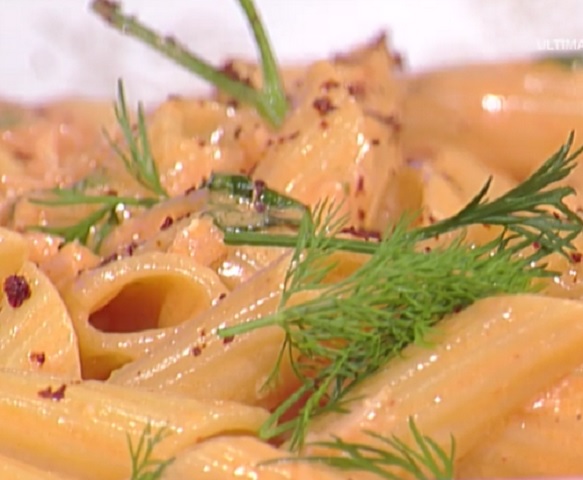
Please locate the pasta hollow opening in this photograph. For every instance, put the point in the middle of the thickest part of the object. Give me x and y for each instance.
(147, 304)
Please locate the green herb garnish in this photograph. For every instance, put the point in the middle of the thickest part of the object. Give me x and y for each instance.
(144, 465)
(139, 163)
(237, 203)
(426, 459)
(270, 102)
(353, 327)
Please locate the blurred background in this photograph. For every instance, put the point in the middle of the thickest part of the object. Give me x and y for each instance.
(58, 47)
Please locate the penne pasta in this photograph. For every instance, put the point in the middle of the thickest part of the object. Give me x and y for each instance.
(231, 458)
(193, 360)
(81, 428)
(540, 440)
(455, 389)
(122, 309)
(16, 469)
(38, 335)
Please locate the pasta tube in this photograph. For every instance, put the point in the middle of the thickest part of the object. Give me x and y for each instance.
(124, 308)
(543, 439)
(527, 343)
(38, 334)
(231, 458)
(81, 429)
(15, 469)
(193, 359)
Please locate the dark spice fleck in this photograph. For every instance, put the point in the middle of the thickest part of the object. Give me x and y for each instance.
(323, 124)
(330, 84)
(323, 105)
(232, 103)
(37, 357)
(361, 215)
(131, 248)
(576, 257)
(110, 258)
(375, 141)
(17, 290)
(361, 233)
(222, 295)
(398, 61)
(356, 89)
(201, 143)
(167, 223)
(360, 184)
(196, 350)
(237, 132)
(55, 395)
(228, 339)
(293, 135)
(427, 249)
(391, 121)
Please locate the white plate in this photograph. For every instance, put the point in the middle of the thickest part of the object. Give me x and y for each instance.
(57, 47)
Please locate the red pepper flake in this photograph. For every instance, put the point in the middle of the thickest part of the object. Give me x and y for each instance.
(230, 71)
(167, 223)
(232, 103)
(37, 357)
(398, 61)
(237, 132)
(17, 290)
(536, 245)
(222, 296)
(360, 184)
(196, 350)
(576, 257)
(55, 395)
(375, 141)
(330, 84)
(323, 105)
(110, 258)
(361, 233)
(432, 219)
(293, 135)
(324, 125)
(356, 89)
(129, 250)
(22, 155)
(458, 309)
(190, 190)
(391, 121)
(228, 339)
(427, 249)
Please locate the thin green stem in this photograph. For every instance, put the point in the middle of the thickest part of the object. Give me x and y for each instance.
(270, 104)
(272, 83)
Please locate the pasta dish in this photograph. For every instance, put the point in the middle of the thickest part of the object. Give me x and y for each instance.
(332, 271)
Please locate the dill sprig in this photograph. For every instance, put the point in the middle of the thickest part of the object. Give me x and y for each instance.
(144, 465)
(353, 327)
(139, 163)
(425, 459)
(270, 102)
